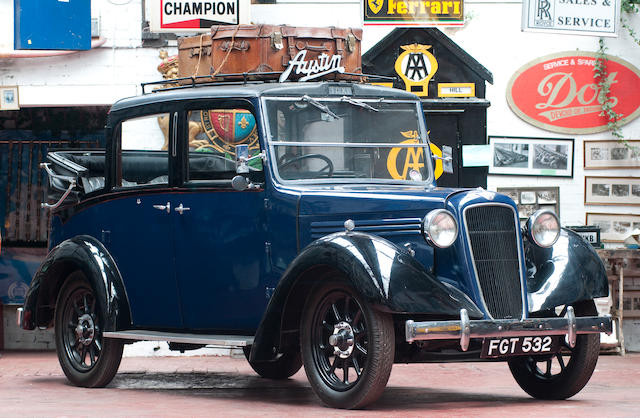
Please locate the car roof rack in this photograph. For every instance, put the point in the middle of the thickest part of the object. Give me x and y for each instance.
(234, 79)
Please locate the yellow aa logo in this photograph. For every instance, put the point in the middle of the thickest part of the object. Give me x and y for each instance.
(375, 5)
(413, 159)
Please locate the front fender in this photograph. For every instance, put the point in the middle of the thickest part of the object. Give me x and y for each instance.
(569, 271)
(88, 255)
(384, 275)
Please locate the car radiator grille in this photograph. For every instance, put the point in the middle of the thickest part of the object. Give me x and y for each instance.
(493, 240)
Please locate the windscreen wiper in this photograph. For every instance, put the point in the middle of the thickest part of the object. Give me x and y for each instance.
(358, 103)
(319, 106)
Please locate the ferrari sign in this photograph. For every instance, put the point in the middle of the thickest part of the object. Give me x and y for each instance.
(558, 92)
(413, 12)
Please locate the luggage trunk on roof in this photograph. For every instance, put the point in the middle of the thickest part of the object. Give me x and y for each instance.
(265, 48)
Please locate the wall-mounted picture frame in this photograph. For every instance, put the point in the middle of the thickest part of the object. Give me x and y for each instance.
(523, 156)
(611, 154)
(614, 227)
(611, 190)
(530, 199)
(9, 99)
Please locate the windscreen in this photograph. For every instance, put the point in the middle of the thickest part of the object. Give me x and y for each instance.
(347, 138)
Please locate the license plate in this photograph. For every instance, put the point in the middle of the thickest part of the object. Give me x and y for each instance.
(519, 346)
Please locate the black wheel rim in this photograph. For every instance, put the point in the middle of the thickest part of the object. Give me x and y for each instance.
(339, 340)
(550, 367)
(82, 334)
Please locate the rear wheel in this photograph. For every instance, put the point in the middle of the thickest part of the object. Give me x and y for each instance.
(562, 375)
(283, 367)
(347, 347)
(87, 358)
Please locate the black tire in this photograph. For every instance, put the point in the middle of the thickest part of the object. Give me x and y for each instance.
(363, 345)
(564, 374)
(87, 359)
(283, 367)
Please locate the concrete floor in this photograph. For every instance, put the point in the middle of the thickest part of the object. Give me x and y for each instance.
(32, 384)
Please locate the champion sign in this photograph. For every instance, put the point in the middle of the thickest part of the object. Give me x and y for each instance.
(558, 92)
(197, 14)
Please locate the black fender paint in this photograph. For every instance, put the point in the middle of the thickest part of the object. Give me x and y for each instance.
(570, 271)
(87, 254)
(384, 275)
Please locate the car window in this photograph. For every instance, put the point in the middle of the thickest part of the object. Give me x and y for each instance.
(144, 157)
(213, 135)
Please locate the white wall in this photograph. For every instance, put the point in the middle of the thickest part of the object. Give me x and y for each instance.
(96, 77)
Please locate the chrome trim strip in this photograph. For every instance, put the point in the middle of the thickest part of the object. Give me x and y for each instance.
(464, 331)
(523, 288)
(19, 314)
(143, 335)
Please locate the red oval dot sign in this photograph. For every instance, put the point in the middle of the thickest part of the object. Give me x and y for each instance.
(559, 93)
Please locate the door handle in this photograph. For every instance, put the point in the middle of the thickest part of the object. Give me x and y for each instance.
(166, 207)
(180, 209)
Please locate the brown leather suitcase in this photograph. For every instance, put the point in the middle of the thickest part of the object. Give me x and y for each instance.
(266, 48)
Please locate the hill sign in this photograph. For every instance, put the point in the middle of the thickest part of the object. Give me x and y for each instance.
(558, 92)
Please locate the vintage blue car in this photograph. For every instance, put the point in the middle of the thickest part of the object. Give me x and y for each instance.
(303, 223)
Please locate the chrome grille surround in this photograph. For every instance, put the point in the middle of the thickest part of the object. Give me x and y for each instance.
(496, 256)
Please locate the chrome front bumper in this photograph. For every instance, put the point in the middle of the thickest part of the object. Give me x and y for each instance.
(465, 330)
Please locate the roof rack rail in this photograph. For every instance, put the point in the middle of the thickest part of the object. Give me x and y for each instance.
(230, 79)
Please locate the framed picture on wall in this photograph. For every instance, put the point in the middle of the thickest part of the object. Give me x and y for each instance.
(614, 227)
(530, 199)
(524, 156)
(611, 154)
(9, 98)
(612, 190)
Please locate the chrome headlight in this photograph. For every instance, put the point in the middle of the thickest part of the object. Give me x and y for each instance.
(544, 228)
(440, 228)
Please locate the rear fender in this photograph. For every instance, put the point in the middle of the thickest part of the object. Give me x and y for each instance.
(88, 255)
(570, 271)
(384, 275)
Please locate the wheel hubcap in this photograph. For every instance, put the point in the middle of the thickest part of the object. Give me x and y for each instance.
(85, 329)
(342, 339)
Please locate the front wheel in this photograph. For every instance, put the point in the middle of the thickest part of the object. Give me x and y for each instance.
(87, 359)
(562, 375)
(347, 347)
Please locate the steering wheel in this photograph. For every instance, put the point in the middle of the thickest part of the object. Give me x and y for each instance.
(327, 170)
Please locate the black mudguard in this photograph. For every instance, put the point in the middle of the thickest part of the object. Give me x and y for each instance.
(88, 255)
(570, 271)
(384, 275)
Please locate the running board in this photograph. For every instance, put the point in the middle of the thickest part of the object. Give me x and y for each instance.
(223, 340)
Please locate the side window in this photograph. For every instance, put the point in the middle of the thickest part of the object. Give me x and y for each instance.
(144, 158)
(213, 135)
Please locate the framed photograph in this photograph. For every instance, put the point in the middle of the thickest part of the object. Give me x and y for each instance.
(530, 199)
(531, 156)
(614, 227)
(9, 98)
(611, 154)
(612, 190)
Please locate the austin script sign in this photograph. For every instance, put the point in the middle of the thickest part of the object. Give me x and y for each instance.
(558, 92)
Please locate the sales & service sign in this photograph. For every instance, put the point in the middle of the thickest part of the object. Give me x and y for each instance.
(580, 17)
(558, 92)
(414, 12)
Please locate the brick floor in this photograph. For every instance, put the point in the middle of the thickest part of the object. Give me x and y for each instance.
(32, 384)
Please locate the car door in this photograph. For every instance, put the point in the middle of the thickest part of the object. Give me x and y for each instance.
(138, 215)
(220, 233)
